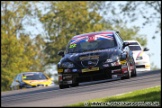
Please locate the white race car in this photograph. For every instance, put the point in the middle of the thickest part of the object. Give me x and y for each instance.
(141, 58)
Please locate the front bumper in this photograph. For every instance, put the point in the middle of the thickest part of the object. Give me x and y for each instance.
(94, 75)
(142, 66)
(36, 85)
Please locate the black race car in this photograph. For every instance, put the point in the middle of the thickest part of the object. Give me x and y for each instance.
(95, 56)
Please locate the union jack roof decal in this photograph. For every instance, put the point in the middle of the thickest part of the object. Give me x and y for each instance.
(92, 36)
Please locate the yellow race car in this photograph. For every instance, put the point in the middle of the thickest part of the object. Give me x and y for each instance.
(31, 80)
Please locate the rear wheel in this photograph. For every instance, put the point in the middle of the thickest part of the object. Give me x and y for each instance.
(128, 75)
(129, 72)
(134, 73)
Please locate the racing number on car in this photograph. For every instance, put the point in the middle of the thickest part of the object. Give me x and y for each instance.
(72, 45)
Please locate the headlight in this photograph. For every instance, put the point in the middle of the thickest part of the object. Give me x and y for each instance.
(67, 65)
(108, 60)
(115, 58)
(139, 58)
(112, 59)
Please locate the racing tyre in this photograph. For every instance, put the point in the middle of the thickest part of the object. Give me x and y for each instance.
(134, 73)
(128, 74)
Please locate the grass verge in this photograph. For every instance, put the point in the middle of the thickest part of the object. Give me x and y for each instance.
(144, 97)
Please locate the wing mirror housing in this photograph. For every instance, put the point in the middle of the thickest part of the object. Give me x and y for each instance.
(145, 49)
(61, 53)
(125, 44)
(123, 56)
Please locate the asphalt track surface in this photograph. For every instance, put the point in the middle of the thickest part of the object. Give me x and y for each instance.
(55, 97)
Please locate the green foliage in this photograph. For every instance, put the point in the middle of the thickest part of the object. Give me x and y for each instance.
(19, 53)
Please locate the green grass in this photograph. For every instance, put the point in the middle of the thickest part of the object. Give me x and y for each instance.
(143, 97)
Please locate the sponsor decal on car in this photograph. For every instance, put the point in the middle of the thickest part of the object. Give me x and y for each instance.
(140, 54)
(123, 62)
(72, 45)
(89, 57)
(60, 70)
(91, 38)
(90, 69)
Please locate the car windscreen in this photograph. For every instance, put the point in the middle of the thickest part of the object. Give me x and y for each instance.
(135, 48)
(87, 45)
(34, 76)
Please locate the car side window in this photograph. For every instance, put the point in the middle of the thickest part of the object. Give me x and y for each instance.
(119, 40)
(42, 76)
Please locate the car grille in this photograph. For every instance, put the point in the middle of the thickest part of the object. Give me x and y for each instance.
(140, 66)
(87, 63)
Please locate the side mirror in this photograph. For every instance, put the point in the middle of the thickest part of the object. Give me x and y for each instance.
(61, 53)
(117, 32)
(145, 49)
(125, 44)
(123, 56)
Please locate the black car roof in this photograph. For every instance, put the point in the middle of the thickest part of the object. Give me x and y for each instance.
(90, 33)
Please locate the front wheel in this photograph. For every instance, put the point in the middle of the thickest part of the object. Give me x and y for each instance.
(134, 73)
(128, 74)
